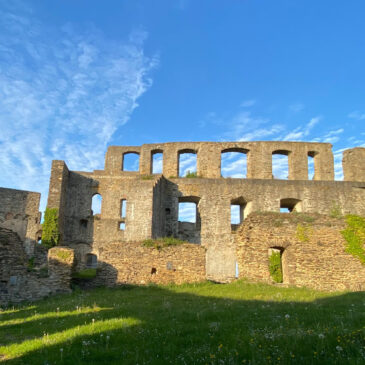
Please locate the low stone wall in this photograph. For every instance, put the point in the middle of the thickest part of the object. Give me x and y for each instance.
(22, 279)
(132, 263)
(313, 251)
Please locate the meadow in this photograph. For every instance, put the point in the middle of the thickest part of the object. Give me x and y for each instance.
(205, 323)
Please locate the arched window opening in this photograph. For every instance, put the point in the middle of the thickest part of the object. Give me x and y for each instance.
(275, 255)
(239, 211)
(91, 261)
(234, 163)
(38, 237)
(280, 165)
(96, 204)
(311, 164)
(289, 205)
(130, 161)
(187, 163)
(189, 222)
(156, 162)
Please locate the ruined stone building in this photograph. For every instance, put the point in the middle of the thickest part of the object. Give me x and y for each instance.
(139, 205)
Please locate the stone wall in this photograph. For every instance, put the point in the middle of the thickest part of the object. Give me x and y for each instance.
(19, 212)
(259, 158)
(132, 263)
(24, 279)
(313, 251)
(153, 200)
(353, 164)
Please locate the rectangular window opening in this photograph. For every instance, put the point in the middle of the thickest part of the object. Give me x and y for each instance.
(123, 208)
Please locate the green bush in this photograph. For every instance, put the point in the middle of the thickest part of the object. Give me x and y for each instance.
(85, 274)
(275, 267)
(303, 233)
(354, 234)
(162, 242)
(30, 266)
(147, 177)
(50, 231)
(191, 174)
(335, 211)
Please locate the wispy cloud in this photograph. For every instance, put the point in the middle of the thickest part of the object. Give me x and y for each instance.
(63, 93)
(357, 115)
(302, 131)
(248, 103)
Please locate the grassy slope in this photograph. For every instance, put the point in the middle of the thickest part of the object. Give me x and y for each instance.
(238, 323)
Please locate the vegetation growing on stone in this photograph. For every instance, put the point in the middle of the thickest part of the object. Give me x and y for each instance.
(63, 255)
(275, 268)
(50, 230)
(354, 234)
(147, 177)
(30, 266)
(85, 274)
(162, 242)
(303, 232)
(335, 211)
(191, 174)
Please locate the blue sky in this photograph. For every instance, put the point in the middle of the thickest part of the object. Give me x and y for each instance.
(77, 76)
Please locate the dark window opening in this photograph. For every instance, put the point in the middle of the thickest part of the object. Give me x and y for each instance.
(153, 271)
(96, 204)
(83, 223)
(234, 163)
(280, 165)
(91, 261)
(156, 162)
(289, 205)
(167, 210)
(130, 161)
(187, 163)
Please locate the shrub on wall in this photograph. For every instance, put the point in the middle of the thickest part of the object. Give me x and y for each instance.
(354, 234)
(50, 231)
(303, 232)
(275, 267)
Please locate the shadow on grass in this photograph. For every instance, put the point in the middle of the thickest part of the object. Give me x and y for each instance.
(161, 325)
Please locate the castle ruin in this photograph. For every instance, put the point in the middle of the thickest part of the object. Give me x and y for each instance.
(140, 205)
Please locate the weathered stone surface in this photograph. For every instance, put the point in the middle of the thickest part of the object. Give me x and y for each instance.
(313, 251)
(19, 212)
(152, 205)
(22, 279)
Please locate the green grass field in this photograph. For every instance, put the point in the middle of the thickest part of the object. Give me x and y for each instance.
(207, 323)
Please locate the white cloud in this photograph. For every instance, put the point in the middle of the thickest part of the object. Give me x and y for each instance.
(63, 93)
(300, 133)
(357, 115)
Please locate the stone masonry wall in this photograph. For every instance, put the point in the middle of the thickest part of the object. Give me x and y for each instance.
(19, 212)
(19, 280)
(353, 164)
(315, 257)
(132, 263)
(153, 199)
